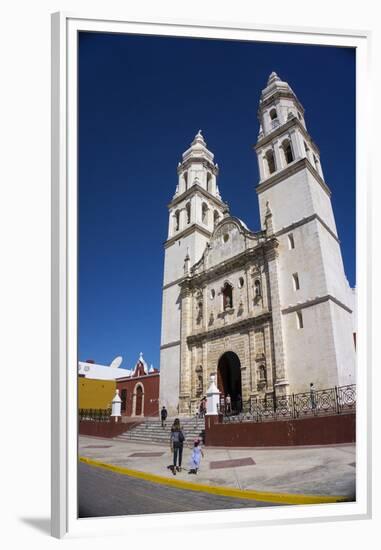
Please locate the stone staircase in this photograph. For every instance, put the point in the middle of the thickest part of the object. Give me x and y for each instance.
(151, 431)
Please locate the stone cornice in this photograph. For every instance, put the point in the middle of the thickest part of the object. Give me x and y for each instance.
(267, 246)
(289, 170)
(315, 301)
(244, 324)
(207, 163)
(268, 138)
(278, 131)
(188, 231)
(270, 96)
(191, 191)
(176, 282)
(170, 344)
(307, 220)
(142, 377)
(186, 287)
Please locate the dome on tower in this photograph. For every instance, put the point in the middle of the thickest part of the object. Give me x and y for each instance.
(273, 78)
(278, 105)
(199, 139)
(198, 149)
(274, 85)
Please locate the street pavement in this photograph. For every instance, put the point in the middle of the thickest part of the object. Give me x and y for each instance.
(102, 493)
(328, 470)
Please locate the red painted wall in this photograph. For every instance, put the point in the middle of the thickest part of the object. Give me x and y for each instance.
(150, 383)
(322, 430)
(104, 429)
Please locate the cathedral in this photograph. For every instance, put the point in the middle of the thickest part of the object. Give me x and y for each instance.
(268, 312)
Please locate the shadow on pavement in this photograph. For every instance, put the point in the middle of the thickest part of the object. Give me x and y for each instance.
(40, 524)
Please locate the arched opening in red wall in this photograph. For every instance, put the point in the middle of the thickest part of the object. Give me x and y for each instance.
(139, 401)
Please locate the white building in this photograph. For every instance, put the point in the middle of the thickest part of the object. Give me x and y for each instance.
(114, 371)
(267, 311)
(89, 369)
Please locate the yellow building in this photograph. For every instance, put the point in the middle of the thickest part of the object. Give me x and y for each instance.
(95, 394)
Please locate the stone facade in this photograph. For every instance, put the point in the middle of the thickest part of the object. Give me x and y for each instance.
(269, 312)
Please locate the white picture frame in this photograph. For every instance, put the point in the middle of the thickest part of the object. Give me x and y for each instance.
(65, 27)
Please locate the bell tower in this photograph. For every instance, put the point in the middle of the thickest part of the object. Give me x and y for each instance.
(194, 210)
(314, 310)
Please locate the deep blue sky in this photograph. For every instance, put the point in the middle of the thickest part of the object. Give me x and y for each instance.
(141, 101)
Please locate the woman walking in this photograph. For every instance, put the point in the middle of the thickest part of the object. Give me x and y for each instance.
(177, 443)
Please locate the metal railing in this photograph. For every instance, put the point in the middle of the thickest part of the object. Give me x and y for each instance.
(275, 123)
(95, 415)
(337, 400)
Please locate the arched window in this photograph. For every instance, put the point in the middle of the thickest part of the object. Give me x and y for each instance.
(123, 397)
(291, 242)
(204, 212)
(188, 209)
(209, 182)
(216, 217)
(287, 149)
(316, 161)
(270, 161)
(257, 288)
(227, 295)
(138, 400)
(273, 114)
(274, 118)
(186, 180)
(177, 220)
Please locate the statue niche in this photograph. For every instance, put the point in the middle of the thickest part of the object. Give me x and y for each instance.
(199, 381)
(199, 307)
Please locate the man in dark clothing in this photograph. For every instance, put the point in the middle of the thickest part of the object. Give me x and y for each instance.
(163, 415)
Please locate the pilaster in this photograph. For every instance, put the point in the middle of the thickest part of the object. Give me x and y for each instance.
(278, 159)
(277, 327)
(295, 145)
(185, 355)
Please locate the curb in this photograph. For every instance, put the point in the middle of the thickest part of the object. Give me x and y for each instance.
(249, 494)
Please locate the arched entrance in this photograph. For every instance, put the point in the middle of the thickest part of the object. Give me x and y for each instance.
(138, 396)
(229, 378)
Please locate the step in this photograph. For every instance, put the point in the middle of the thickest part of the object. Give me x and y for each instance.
(151, 431)
(142, 437)
(154, 436)
(160, 436)
(167, 427)
(168, 430)
(158, 441)
(163, 431)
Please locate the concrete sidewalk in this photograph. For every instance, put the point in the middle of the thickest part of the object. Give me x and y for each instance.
(325, 471)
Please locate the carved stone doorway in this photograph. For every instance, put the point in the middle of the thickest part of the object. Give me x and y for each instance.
(229, 379)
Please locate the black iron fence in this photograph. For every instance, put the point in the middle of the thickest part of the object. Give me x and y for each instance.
(95, 415)
(337, 400)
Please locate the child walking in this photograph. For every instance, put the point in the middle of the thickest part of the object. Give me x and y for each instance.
(195, 457)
